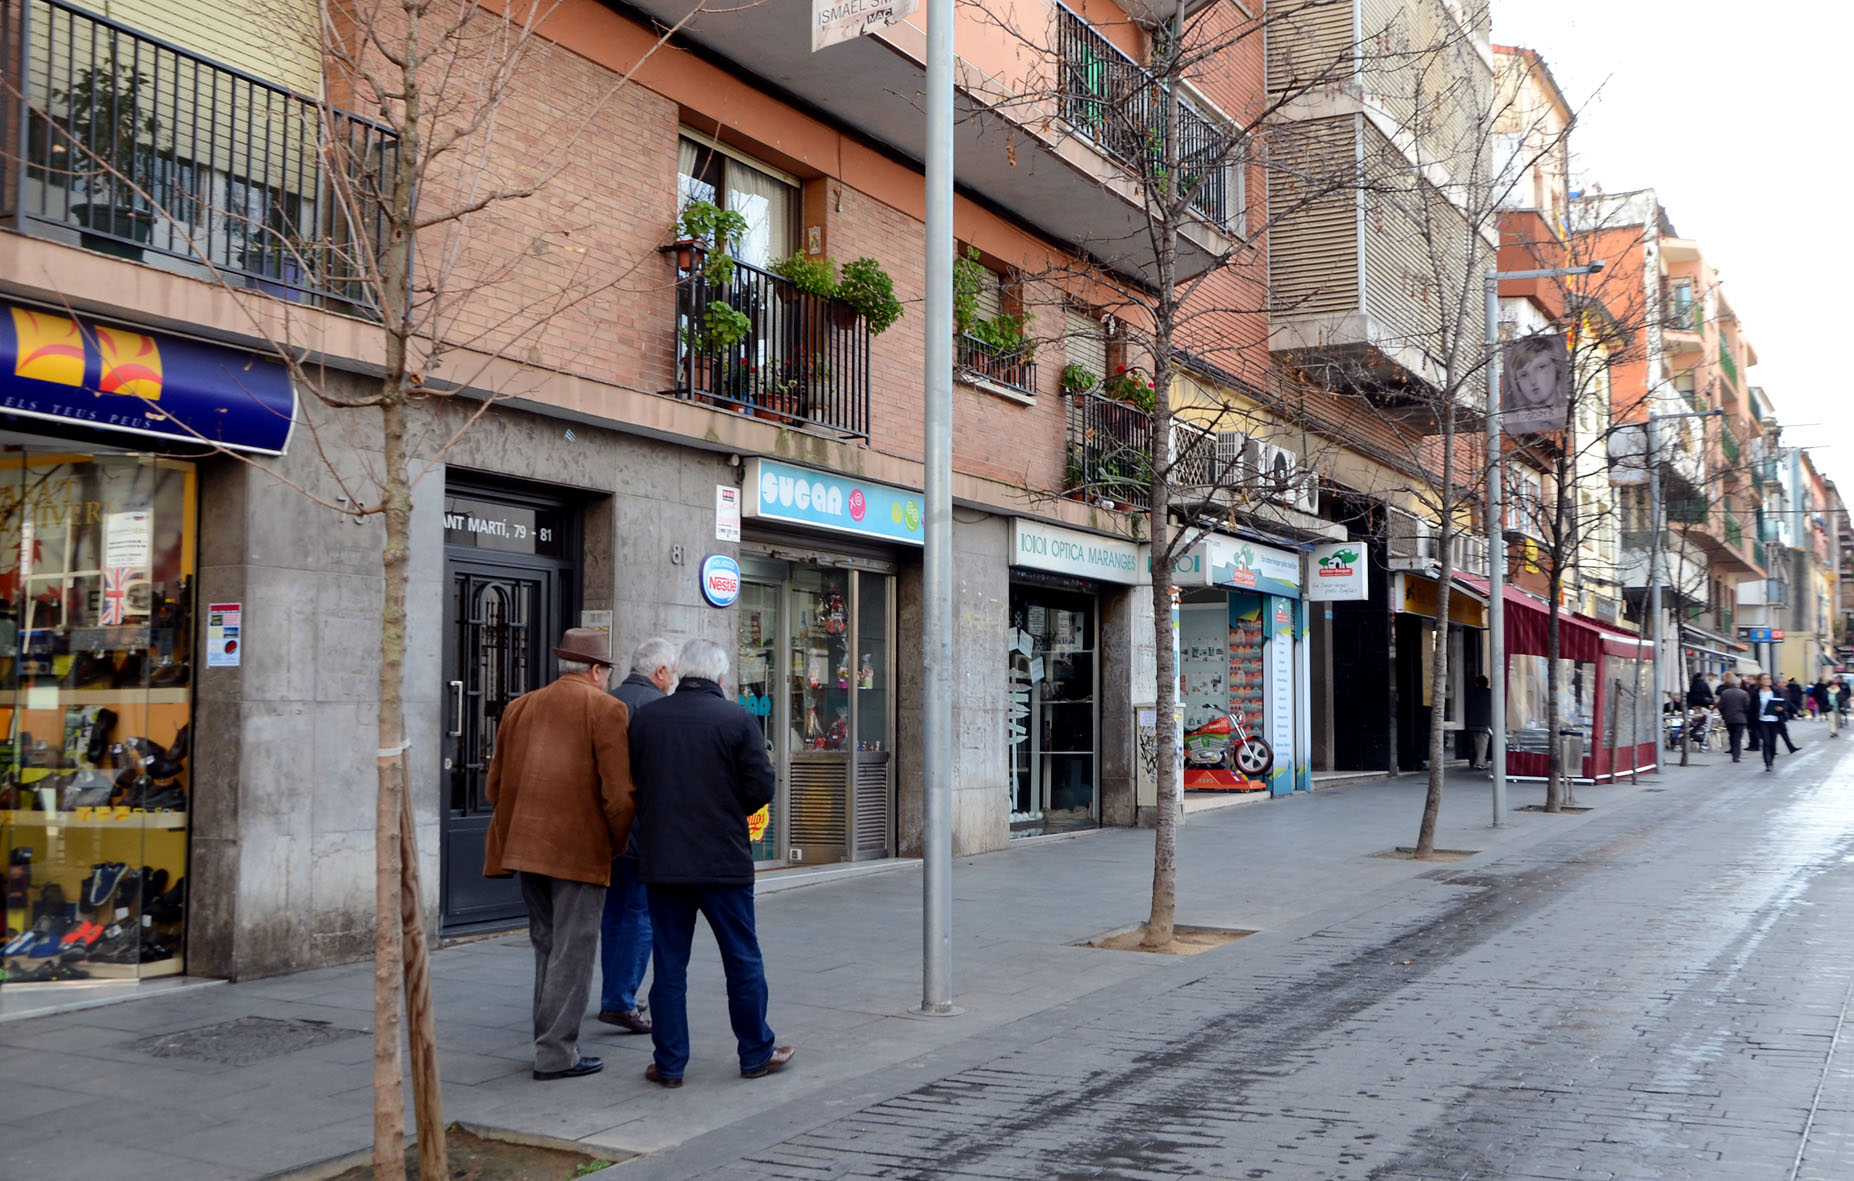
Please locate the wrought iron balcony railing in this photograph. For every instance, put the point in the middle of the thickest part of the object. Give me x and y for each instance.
(803, 359)
(133, 146)
(1114, 101)
(1109, 451)
(1006, 367)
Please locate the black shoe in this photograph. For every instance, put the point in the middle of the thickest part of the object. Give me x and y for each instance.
(631, 1020)
(650, 1072)
(583, 1067)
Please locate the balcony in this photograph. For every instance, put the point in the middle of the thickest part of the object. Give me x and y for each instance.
(134, 147)
(987, 363)
(1012, 147)
(802, 361)
(1111, 99)
(1728, 443)
(1734, 533)
(1729, 366)
(1109, 452)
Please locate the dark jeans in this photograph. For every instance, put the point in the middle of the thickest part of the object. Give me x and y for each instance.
(1737, 731)
(563, 925)
(729, 911)
(624, 938)
(1783, 732)
(1767, 740)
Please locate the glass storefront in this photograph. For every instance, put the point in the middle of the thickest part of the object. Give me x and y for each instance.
(814, 665)
(1054, 712)
(96, 631)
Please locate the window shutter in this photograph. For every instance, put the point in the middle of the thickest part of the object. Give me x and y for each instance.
(1086, 344)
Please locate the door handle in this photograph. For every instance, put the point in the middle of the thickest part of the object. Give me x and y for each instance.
(457, 702)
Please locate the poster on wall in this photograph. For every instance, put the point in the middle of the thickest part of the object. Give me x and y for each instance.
(1248, 685)
(224, 641)
(1281, 694)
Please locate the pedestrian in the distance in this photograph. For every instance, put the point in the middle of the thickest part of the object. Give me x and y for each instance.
(701, 767)
(1734, 711)
(1699, 693)
(1770, 705)
(1843, 694)
(560, 783)
(624, 931)
(1479, 722)
(1794, 693)
(1754, 733)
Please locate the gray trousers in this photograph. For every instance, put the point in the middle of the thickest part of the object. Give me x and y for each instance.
(563, 925)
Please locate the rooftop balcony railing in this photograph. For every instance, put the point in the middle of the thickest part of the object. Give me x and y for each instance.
(1114, 101)
(132, 146)
(802, 361)
(1109, 451)
(1729, 364)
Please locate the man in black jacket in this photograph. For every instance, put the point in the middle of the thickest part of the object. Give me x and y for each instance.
(624, 931)
(699, 762)
(1735, 712)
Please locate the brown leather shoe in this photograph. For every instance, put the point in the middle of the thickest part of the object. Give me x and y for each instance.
(630, 1020)
(780, 1056)
(650, 1072)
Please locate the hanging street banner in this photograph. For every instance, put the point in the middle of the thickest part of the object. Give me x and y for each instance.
(845, 20)
(1535, 384)
(1337, 573)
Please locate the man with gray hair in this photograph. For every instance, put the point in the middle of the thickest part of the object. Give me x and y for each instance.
(624, 931)
(560, 783)
(701, 769)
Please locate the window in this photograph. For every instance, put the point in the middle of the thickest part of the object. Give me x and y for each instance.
(1525, 508)
(769, 200)
(1085, 342)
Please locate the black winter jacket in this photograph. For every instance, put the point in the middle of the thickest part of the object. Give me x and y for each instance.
(636, 691)
(700, 765)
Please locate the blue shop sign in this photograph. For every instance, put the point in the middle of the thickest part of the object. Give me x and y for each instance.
(802, 496)
(96, 375)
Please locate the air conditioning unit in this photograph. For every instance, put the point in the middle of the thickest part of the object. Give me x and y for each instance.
(1307, 493)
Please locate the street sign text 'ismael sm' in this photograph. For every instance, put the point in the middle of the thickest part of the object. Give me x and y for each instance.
(843, 20)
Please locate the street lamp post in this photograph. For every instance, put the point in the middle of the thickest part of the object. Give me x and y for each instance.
(1496, 536)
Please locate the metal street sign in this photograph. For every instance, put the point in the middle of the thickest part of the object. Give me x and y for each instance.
(1761, 635)
(845, 20)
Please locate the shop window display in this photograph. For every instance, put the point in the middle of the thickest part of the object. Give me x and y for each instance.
(1053, 710)
(96, 626)
(1528, 718)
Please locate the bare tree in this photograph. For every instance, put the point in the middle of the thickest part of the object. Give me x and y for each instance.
(377, 192)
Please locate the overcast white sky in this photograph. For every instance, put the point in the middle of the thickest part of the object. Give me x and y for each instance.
(1736, 116)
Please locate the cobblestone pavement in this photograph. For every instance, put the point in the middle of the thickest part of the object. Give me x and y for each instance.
(1658, 992)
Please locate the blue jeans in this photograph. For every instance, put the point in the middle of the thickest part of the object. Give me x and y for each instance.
(729, 911)
(624, 938)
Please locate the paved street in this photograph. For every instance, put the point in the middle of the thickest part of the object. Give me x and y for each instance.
(1653, 988)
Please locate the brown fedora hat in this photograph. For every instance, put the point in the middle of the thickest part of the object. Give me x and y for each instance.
(585, 645)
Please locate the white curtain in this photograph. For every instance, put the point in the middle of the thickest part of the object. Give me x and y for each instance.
(768, 204)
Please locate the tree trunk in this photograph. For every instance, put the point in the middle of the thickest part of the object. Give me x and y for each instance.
(389, 1116)
(421, 1017)
(1438, 665)
(1554, 704)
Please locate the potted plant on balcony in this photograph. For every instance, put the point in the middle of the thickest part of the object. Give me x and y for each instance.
(1130, 386)
(278, 257)
(813, 276)
(1078, 379)
(707, 235)
(866, 287)
(106, 143)
(719, 330)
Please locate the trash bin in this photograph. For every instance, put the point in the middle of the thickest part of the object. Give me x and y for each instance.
(1571, 750)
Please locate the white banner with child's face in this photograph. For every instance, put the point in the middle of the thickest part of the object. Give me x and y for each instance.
(1535, 385)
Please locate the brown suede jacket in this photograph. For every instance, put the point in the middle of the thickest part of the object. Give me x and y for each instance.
(560, 782)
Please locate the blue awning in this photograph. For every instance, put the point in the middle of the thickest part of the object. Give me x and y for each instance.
(85, 373)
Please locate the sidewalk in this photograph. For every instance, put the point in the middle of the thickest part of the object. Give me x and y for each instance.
(843, 957)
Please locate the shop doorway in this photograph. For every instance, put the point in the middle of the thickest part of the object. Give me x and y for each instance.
(814, 665)
(1054, 711)
(511, 580)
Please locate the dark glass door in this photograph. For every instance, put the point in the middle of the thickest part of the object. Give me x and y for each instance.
(497, 647)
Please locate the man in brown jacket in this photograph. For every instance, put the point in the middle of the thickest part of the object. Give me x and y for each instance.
(560, 782)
